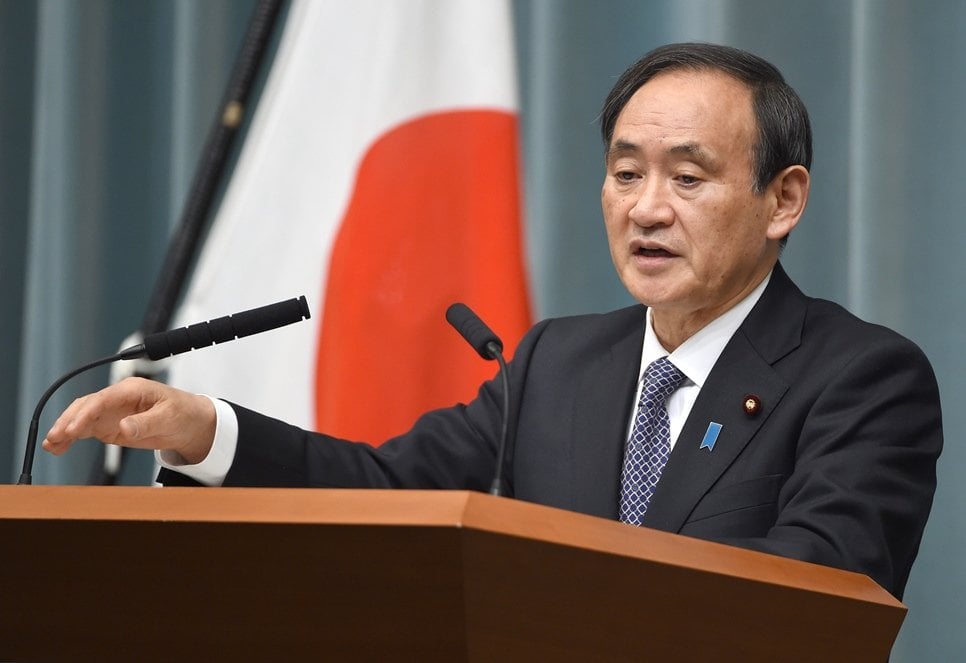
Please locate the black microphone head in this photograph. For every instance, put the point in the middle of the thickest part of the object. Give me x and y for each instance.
(227, 328)
(480, 337)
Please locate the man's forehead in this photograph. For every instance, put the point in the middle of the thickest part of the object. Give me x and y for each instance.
(690, 109)
(696, 76)
(715, 90)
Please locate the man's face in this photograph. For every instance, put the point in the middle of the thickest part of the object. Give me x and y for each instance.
(688, 235)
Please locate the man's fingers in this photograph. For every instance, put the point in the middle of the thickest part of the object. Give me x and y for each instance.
(100, 415)
(146, 429)
(56, 448)
(130, 427)
(179, 421)
(62, 431)
(66, 429)
(138, 413)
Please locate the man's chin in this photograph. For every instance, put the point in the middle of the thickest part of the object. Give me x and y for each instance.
(651, 292)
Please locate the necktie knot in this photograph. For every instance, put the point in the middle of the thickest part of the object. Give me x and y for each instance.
(661, 378)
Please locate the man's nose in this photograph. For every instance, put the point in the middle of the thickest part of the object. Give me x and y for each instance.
(653, 205)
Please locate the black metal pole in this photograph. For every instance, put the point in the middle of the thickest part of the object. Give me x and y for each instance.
(212, 166)
(211, 169)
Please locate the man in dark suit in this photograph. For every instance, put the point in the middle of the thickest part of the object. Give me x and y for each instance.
(727, 406)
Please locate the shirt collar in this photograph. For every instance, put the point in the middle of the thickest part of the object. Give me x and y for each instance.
(697, 355)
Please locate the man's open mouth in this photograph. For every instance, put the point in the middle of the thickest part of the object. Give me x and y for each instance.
(653, 253)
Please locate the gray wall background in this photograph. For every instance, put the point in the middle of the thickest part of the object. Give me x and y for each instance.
(104, 105)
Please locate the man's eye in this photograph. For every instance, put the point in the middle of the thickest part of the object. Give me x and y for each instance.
(688, 180)
(625, 175)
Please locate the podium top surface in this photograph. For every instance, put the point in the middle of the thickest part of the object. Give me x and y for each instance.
(430, 508)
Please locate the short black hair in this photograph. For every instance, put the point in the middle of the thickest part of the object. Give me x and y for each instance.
(784, 130)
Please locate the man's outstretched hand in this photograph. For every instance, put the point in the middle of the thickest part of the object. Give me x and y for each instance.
(141, 414)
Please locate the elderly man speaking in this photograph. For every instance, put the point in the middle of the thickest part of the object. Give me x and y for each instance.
(727, 405)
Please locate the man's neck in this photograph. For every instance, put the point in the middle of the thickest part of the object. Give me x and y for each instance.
(673, 327)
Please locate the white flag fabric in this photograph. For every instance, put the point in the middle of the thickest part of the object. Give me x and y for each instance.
(379, 178)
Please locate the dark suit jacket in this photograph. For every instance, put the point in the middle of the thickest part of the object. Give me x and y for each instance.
(838, 466)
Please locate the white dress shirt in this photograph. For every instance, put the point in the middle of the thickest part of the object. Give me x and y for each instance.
(695, 358)
(213, 469)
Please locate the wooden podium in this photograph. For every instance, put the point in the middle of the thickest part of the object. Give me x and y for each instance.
(177, 574)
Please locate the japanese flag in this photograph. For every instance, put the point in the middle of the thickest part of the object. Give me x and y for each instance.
(380, 178)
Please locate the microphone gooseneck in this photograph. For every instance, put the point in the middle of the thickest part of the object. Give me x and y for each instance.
(28, 456)
(489, 346)
(165, 344)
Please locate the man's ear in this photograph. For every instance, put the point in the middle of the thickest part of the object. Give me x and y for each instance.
(790, 191)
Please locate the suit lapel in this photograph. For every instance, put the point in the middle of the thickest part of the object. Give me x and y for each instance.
(770, 331)
(602, 409)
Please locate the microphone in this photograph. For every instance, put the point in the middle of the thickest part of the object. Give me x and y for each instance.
(489, 346)
(480, 337)
(168, 343)
(228, 328)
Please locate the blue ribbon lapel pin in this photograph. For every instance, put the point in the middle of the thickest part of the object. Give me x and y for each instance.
(711, 436)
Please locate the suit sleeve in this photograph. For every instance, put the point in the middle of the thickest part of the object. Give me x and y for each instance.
(450, 448)
(865, 468)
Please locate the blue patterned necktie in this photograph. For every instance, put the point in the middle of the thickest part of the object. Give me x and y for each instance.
(650, 441)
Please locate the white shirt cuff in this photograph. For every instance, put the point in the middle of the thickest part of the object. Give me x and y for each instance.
(212, 470)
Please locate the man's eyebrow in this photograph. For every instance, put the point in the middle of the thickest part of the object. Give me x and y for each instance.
(621, 147)
(690, 150)
(693, 151)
